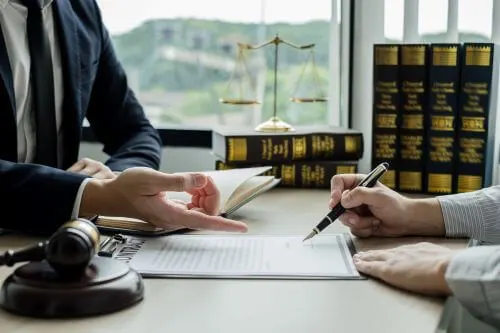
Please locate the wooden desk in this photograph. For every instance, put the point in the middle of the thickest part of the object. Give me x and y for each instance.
(203, 305)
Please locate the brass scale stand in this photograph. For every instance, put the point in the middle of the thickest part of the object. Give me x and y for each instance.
(275, 124)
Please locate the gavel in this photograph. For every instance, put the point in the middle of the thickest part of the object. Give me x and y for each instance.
(68, 251)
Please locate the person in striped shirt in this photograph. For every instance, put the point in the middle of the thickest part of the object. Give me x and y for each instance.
(472, 275)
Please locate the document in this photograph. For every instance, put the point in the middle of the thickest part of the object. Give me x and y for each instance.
(241, 256)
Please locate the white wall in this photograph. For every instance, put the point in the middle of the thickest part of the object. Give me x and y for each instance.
(173, 159)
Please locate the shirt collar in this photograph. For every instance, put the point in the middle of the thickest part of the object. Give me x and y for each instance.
(46, 3)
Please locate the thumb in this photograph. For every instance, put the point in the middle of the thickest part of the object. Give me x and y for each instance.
(361, 196)
(178, 182)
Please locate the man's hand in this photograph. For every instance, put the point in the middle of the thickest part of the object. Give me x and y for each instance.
(418, 268)
(92, 168)
(380, 211)
(140, 193)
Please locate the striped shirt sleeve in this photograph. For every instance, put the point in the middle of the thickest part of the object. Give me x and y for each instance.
(473, 214)
(473, 276)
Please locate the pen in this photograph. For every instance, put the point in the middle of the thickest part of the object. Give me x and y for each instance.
(369, 181)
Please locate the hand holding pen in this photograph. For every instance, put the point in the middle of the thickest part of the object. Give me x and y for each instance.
(370, 211)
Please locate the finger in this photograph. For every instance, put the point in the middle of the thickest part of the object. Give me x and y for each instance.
(340, 183)
(178, 182)
(104, 174)
(195, 201)
(209, 189)
(90, 169)
(375, 255)
(208, 197)
(361, 222)
(373, 268)
(77, 166)
(362, 233)
(361, 196)
(197, 220)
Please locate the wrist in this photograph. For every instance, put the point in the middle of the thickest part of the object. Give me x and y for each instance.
(440, 273)
(424, 217)
(95, 198)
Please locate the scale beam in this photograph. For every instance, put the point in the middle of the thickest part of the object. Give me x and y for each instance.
(275, 124)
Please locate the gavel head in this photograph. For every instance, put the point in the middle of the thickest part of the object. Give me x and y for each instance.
(71, 248)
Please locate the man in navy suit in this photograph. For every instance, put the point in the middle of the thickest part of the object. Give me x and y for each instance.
(57, 67)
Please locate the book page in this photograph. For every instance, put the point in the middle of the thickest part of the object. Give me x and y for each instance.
(325, 256)
(227, 182)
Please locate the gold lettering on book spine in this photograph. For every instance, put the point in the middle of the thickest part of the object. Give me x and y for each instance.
(442, 123)
(413, 55)
(469, 183)
(413, 121)
(385, 146)
(471, 150)
(237, 149)
(439, 183)
(477, 55)
(341, 169)
(386, 55)
(313, 176)
(441, 149)
(444, 56)
(389, 179)
(352, 144)
(410, 181)
(473, 124)
(288, 174)
(386, 120)
(322, 145)
(299, 147)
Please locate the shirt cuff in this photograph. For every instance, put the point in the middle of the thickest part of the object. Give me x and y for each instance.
(472, 214)
(76, 207)
(462, 215)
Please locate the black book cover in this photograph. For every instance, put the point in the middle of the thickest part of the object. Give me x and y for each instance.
(386, 105)
(301, 174)
(444, 88)
(474, 105)
(245, 145)
(413, 78)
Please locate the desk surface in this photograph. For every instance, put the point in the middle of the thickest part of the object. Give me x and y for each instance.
(211, 305)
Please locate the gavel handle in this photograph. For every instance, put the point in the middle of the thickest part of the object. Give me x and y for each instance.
(31, 253)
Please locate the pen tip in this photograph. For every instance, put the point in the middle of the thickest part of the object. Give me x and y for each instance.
(309, 236)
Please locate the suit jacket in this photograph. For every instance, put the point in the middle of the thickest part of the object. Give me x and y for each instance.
(38, 198)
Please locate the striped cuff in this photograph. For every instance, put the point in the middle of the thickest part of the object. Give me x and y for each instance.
(473, 214)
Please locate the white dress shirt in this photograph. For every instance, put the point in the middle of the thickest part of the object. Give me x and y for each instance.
(13, 16)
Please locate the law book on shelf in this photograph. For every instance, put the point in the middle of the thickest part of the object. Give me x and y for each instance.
(302, 174)
(477, 143)
(386, 104)
(244, 145)
(237, 187)
(442, 117)
(413, 96)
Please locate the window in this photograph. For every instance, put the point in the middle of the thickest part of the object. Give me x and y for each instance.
(182, 58)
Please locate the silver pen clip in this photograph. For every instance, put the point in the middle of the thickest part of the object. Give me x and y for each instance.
(109, 246)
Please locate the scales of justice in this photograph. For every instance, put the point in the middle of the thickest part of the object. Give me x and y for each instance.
(275, 124)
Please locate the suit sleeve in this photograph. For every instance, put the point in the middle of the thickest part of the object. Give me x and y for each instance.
(474, 277)
(116, 117)
(36, 198)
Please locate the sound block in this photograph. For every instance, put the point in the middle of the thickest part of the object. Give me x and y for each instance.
(36, 290)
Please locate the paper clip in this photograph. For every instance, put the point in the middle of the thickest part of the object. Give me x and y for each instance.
(109, 246)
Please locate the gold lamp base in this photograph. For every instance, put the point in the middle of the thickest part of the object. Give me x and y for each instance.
(274, 124)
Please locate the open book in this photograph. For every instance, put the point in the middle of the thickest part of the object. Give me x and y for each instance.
(237, 187)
